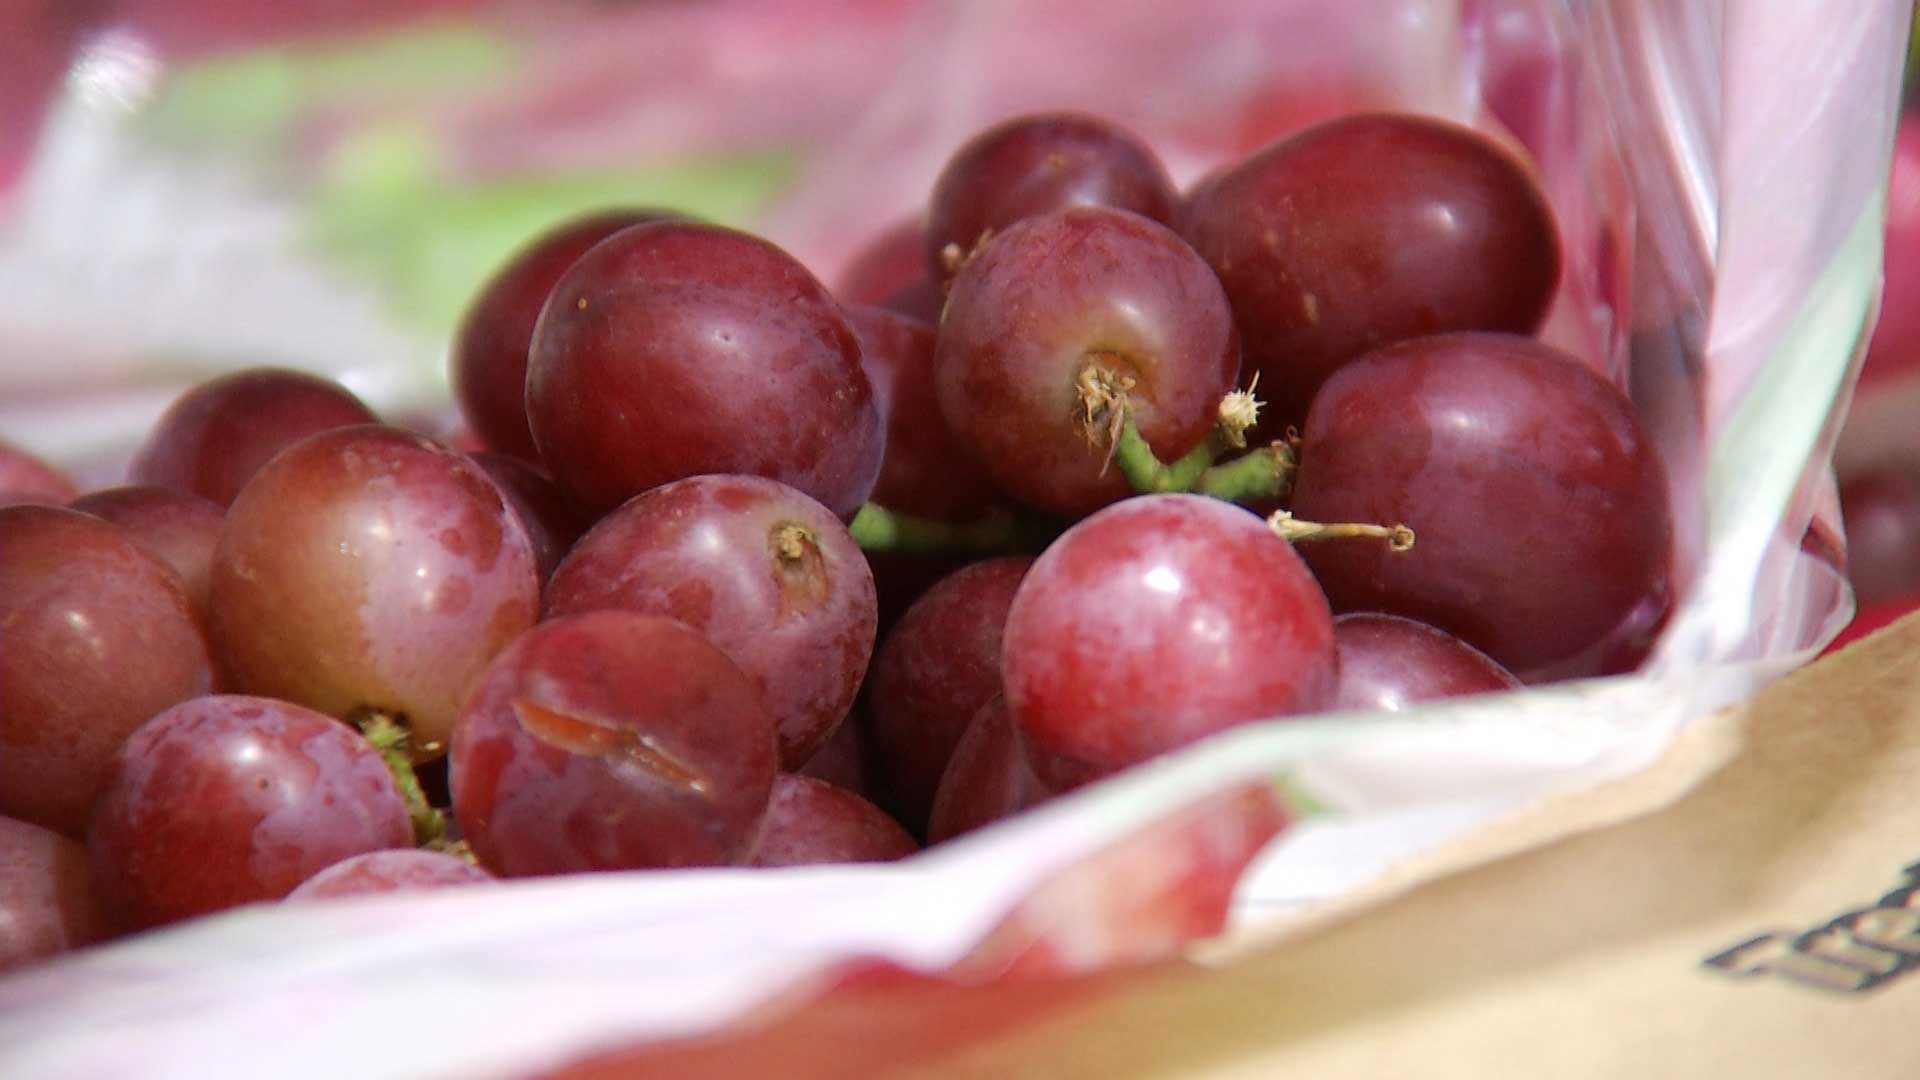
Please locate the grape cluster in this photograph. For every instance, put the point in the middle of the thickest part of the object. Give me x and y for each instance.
(732, 569)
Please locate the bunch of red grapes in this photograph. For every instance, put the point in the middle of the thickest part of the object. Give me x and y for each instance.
(1102, 468)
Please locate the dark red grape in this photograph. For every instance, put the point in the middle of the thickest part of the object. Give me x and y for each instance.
(938, 666)
(368, 568)
(488, 364)
(891, 272)
(225, 800)
(393, 870)
(612, 741)
(844, 760)
(1367, 230)
(811, 822)
(25, 478)
(46, 895)
(760, 570)
(926, 470)
(1895, 348)
(1540, 508)
(672, 350)
(988, 778)
(1060, 297)
(1036, 164)
(552, 520)
(177, 527)
(96, 636)
(218, 434)
(1157, 622)
(1880, 509)
(1390, 663)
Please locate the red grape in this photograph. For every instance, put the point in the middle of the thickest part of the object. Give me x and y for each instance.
(1032, 165)
(1366, 230)
(225, 800)
(1880, 509)
(989, 777)
(760, 570)
(25, 478)
(46, 895)
(393, 870)
(612, 741)
(218, 434)
(811, 822)
(926, 470)
(1156, 622)
(1895, 349)
(488, 365)
(96, 636)
(177, 527)
(552, 520)
(672, 350)
(368, 568)
(1539, 506)
(1390, 663)
(891, 273)
(938, 666)
(844, 760)
(1054, 298)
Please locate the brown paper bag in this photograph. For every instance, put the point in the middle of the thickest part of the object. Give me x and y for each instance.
(1761, 922)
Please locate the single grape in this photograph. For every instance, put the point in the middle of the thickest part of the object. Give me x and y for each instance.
(811, 822)
(552, 520)
(1540, 508)
(1895, 349)
(844, 761)
(935, 670)
(988, 778)
(1157, 622)
(1068, 298)
(765, 573)
(393, 870)
(213, 439)
(1035, 164)
(672, 350)
(368, 568)
(177, 527)
(488, 364)
(226, 800)
(46, 895)
(891, 272)
(25, 478)
(1366, 230)
(96, 636)
(612, 741)
(1880, 511)
(926, 470)
(1390, 663)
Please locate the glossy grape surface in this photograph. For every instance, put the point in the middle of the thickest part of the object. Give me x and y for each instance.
(553, 521)
(988, 778)
(891, 273)
(1367, 230)
(213, 439)
(224, 800)
(1035, 164)
(612, 741)
(46, 895)
(488, 365)
(369, 568)
(24, 478)
(758, 569)
(1390, 663)
(393, 870)
(672, 350)
(178, 528)
(1157, 622)
(811, 822)
(935, 670)
(96, 636)
(1539, 506)
(1053, 295)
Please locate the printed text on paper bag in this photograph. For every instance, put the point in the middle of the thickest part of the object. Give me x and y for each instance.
(1851, 954)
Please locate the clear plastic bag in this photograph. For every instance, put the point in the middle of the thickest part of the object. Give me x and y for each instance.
(1718, 171)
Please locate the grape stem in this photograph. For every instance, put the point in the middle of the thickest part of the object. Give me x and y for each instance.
(391, 738)
(876, 528)
(1293, 530)
(1263, 473)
